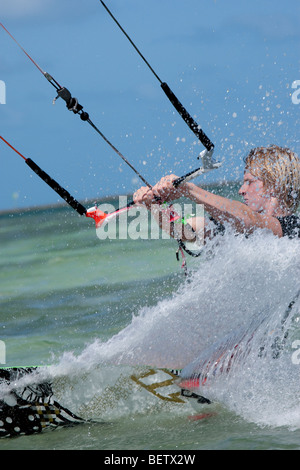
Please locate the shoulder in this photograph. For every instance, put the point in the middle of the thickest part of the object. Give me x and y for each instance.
(290, 225)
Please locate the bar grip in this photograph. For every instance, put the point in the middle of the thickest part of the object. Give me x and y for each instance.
(188, 176)
(178, 181)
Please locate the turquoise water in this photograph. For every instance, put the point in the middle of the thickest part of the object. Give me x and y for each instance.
(63, 288)
(93, 308)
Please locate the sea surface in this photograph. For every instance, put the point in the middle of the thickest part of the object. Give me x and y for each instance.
(94, 311)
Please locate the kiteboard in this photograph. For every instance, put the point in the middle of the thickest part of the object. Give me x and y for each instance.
(29, 404)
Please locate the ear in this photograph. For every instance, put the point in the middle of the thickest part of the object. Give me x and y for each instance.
(270, 191)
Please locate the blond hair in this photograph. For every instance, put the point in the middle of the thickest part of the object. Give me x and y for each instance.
(279, 169)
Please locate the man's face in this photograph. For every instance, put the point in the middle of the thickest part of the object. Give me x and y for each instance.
(254, 193)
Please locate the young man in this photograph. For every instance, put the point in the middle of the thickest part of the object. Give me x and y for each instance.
(271, 192)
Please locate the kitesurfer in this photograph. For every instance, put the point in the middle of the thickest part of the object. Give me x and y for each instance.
(271, 193)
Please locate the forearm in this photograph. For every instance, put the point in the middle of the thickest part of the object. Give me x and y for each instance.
(222, 209)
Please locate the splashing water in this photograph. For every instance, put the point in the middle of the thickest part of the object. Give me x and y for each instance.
(254, 368)
(238, 294)
(233, 325)
(240, 280)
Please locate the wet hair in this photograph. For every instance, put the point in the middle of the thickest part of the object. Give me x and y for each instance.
(279, 169)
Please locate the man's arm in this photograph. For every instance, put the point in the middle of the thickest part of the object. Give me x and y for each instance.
(237, 214)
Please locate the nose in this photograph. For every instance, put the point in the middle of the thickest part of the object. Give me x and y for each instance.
(242, 189)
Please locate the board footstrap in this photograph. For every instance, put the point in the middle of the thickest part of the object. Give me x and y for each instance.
(31, 408)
